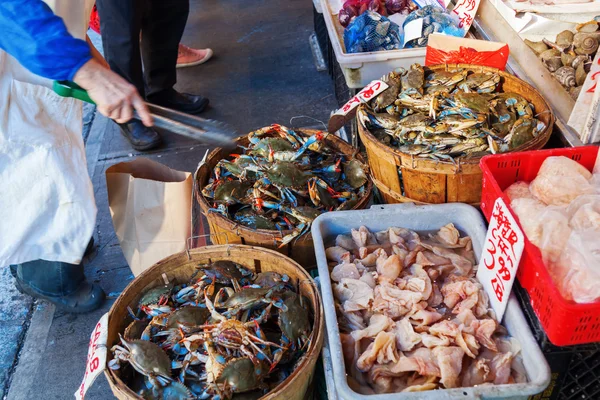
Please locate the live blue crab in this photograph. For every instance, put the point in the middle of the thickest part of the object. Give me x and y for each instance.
(282, 173)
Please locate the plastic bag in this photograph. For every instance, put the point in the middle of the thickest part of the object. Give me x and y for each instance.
(371, 32)
(560, 180)
(554, 228)
(577, 274)
(528, 211)
(435, 19)
(519, 190)
(584, 213)
(468, 55)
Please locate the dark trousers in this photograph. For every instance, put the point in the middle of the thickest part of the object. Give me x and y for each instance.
(160, 23)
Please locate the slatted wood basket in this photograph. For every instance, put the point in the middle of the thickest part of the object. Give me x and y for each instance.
(224, 230)
(428, 181)
(179, 268)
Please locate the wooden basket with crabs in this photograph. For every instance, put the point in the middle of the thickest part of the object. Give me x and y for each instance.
(268, 191)
(426, 133)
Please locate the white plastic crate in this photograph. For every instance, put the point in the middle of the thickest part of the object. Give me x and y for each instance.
(361, 68)
(420, 218)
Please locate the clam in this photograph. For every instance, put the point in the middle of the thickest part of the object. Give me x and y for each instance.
(537, 47)
(566, 76)
(565, 38)
(587, 27)
(580, 75)
(585, 43)
(574, 92)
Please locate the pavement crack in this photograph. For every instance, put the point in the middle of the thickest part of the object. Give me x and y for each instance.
(20, 342)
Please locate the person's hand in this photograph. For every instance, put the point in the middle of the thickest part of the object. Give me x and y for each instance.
(113, 95)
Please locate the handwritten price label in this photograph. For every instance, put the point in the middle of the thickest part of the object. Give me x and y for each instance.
(502, 252)
(364, 96)
(587, 106)
(96, 359)
(465, 11)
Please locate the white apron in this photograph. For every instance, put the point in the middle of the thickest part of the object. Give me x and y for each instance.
(47, 208)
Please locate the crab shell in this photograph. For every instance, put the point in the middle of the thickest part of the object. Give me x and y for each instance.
(241, 375)
(153, 295)
(245, 298)
(147, 358)
(287, 174)
(355, 173)
(294, 322)
(135, 329)
(173, 391)
(224, 270)
(231, 191)
(187, 316)
(268, 279)
(271, 143)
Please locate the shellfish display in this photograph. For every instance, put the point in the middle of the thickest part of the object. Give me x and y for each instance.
(570, 56)
(444, 115)
(283, 179)
(226, 332)
(413, 317)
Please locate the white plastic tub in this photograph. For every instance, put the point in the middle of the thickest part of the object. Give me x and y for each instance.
(361, 68)
(422, 218)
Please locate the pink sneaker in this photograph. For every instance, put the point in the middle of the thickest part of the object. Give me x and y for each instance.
(188, 57)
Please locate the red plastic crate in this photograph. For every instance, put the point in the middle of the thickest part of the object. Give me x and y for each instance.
(565, 322)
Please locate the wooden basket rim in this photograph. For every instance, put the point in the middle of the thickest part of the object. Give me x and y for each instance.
(264, 233)
(538, 141)
(117, 384)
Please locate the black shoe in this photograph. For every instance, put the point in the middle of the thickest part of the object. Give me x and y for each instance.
(184, 102)
(62, 284)
(140, 136)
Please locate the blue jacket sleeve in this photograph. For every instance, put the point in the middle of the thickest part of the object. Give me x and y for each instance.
(39, 40)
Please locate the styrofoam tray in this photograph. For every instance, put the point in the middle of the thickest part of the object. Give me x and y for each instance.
(422, 218)
(361, 68)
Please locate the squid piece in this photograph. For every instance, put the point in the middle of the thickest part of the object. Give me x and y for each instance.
(338, 254)
(406, 338)
(382, 351)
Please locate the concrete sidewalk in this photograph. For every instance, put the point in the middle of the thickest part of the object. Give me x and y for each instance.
(262, 73)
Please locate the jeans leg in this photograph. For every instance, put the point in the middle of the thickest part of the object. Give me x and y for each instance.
(51, 278)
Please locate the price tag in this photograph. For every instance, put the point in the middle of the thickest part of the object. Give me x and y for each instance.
(465, 11)
(96, 359)
(413, 30)
(348, 111)
(365, 95)
(502, 252)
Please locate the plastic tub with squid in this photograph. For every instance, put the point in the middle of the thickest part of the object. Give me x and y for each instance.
(424, 218)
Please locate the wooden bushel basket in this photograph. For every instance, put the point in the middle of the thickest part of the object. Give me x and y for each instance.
(179, 268)
(428, 181)
(224, 230)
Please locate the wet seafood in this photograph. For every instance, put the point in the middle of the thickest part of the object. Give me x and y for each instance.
(285, 179)
(570, 56)
(247, 336)
(418, 317)
(467, 117)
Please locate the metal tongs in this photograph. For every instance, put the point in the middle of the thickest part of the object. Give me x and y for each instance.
(204, 130)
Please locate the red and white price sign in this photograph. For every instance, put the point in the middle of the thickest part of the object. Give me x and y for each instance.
(96, 359)
(465, 11)
(499, 261)
(365, 95)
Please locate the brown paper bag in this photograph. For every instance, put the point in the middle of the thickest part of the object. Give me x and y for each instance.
(150, 205)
